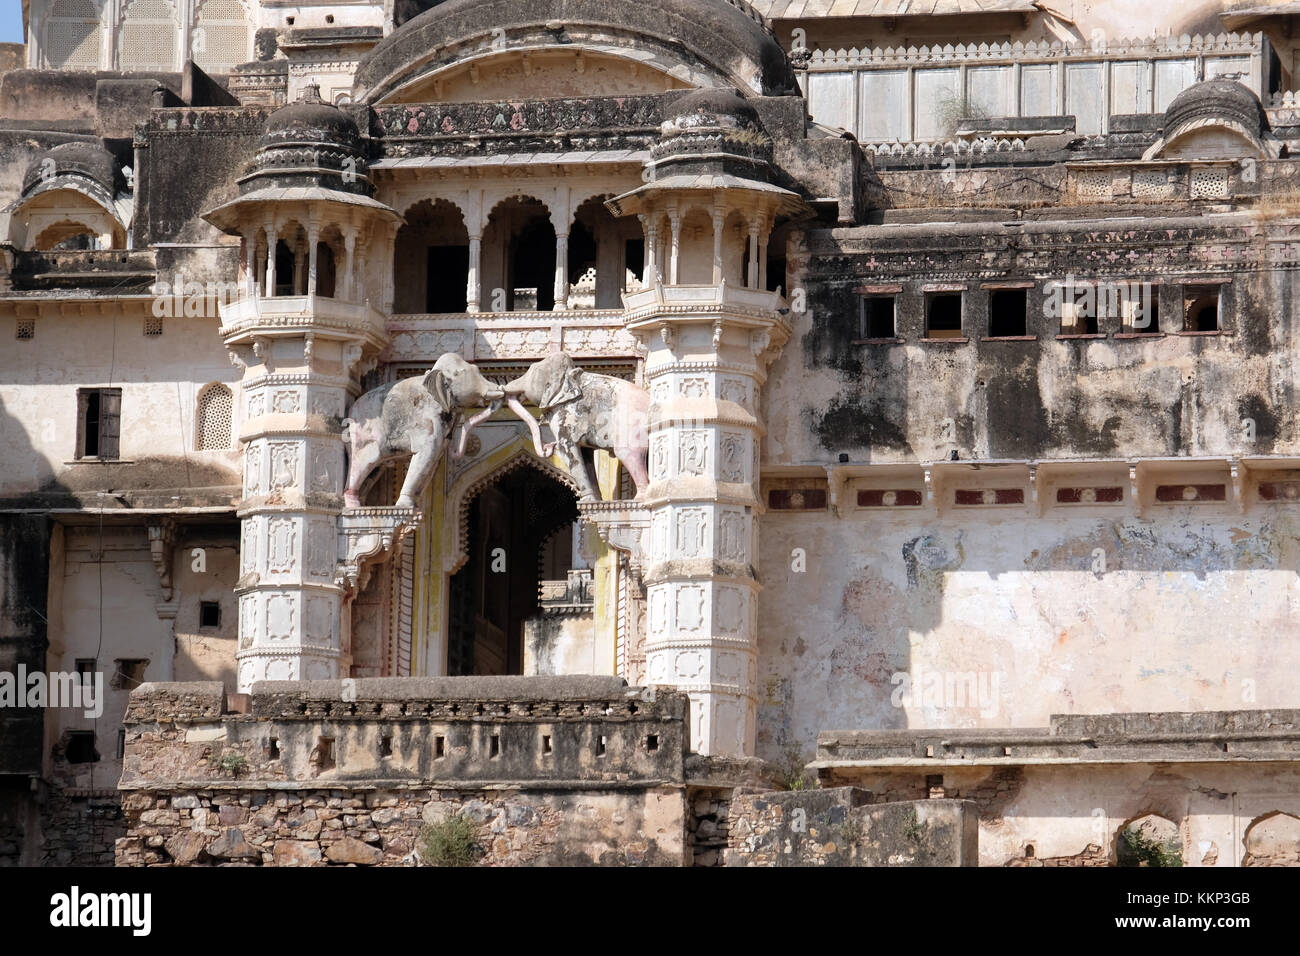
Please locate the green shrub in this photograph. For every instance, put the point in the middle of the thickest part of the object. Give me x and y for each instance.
(1137, 848)
(449, 842)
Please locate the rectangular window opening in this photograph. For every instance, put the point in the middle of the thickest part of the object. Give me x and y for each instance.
(1007, 311)
(943, 315)
(877, 317)
(81, 747)
(386, 746)
(546, 743)
(652, 743)
(1201, 308)
(600, 745)
(494, 745)
(209, 614)
(129, 673)
(86, 670)
(98, 420)
(439, 747)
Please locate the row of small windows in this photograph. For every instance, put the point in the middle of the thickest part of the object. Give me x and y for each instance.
(99, 420)
(1137, 308)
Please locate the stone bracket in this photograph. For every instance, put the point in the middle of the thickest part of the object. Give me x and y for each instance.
(367, 537)
(623, 525)
(162, 544)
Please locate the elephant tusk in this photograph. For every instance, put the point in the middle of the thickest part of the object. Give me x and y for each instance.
(531, 422)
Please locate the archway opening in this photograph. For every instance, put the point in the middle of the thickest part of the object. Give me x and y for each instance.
(519, 257)
(515, 525)
(431, 259)
(602, 262)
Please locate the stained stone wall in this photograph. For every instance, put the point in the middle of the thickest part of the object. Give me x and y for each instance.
(549, 771)
(842, 827)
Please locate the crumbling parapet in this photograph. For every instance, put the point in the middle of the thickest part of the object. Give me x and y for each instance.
(544, 771)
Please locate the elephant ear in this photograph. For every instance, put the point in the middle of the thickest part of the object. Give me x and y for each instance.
(565, 389)
(439, 386)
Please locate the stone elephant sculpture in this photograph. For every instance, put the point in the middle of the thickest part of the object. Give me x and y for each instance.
(415, 417)
(585, 410)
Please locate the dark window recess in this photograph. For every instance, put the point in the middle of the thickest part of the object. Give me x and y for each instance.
(86, 671)
(385, 746)
(440, 746)
(442, 294)
(121, 744)
(634, 256)
(99, 414)
(129, 673)
(546, 743)
(1007, 310)
(775, 273)
(1201, 308)
(600, 746)
(878, 317)
(1146, 313)
(652, 742)
(81, 747)
(494, 745)
(284, 264)
(273, 749)
(943, 315)
(209, 614)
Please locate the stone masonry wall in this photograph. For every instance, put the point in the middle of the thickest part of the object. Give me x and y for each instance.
(841, 827)
(546, 771)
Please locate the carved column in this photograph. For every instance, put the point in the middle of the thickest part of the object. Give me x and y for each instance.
(561, 271)
(471, 286)
(705, 367)
(289, 604)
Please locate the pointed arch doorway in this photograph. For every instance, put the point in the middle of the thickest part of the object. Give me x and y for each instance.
(519, 532)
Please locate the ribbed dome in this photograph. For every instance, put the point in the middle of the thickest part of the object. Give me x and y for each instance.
(309, 143)
(310, 119)
(88, 161)
(713, 131)
(1221, 99)
(714, 107)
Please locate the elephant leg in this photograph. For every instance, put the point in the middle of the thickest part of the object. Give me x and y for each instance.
(577, 466)
(421, 469)
(634, 460)
(361, 462)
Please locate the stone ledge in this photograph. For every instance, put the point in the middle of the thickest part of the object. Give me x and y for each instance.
(1167, 737)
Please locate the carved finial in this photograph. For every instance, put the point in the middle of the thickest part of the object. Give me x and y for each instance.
(310, 93)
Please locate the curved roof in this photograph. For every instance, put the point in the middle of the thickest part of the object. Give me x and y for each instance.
(726, 37)
(88, 161)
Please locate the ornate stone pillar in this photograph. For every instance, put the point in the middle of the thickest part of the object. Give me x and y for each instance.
(471, 285)
(289, 604)
(561, 271)
(705, 367)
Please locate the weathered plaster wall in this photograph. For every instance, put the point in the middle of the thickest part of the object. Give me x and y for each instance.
(160, 378)
(1192, 612)
(921, 400)
(1062, 810)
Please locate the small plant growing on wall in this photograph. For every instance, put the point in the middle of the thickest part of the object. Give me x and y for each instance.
(449, 842)
(1142, 846)
(232, 763)
(792, 771)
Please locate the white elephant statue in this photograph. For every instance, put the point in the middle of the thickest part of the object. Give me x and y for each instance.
(585, 410)
(415, 417)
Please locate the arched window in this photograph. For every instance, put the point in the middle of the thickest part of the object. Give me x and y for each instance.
(212, 423)
(147, 38)
(219, 39)
(71, 39)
